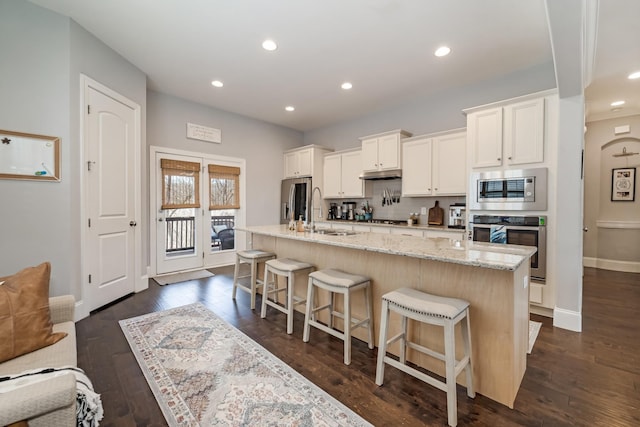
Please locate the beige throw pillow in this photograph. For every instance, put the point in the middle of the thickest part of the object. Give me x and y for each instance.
(25, 319)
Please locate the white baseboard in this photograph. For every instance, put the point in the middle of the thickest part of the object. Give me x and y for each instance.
(567, 319)
(541, 311)
(80, 311)
(610, 264)
(142, 284)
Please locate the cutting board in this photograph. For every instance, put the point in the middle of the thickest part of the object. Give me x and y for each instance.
(436, 215)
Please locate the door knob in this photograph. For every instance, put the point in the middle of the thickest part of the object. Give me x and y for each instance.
(132, 223)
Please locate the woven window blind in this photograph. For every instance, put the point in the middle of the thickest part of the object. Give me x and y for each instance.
(224, 187)
(181, 184)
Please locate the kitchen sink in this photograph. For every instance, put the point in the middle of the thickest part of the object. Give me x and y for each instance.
(335, 232)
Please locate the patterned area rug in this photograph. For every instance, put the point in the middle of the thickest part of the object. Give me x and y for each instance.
(203, 371)
(534, 329)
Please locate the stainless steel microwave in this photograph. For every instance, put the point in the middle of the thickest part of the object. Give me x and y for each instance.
(512, 189)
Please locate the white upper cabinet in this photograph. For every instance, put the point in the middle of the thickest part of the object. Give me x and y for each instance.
(434, 164)
(417, 161)
(511, 134)
(298, 163)
(524, 132)
(450, 164)
(485, 137)
(304, 161)
(342, 175)
(382, 151)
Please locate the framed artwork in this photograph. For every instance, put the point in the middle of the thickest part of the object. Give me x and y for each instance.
(623, 185)
(29, 156)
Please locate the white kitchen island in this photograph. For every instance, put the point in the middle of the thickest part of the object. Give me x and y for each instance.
(493, 278)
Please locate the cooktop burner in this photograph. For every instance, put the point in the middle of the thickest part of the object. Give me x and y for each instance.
(387, 221)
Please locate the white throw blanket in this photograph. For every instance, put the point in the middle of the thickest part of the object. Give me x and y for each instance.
(88, 404)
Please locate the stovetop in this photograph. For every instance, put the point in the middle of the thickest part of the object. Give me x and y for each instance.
(387, 221)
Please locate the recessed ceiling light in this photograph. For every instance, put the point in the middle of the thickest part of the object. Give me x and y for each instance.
(290, 108)
(346, 86)
(617, 103)
(269, 45)
(217, 83)
(442, 51)
(635, 75)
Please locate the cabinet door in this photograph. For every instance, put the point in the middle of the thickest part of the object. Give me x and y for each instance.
(389, 152)
(524, 132)
(369, 155)
(352, 185)
(455, 235)
(484, 130)
(291, 165)
(332, 176)
(408, 231)
(416, 172)
(305, 162)
(450, 164)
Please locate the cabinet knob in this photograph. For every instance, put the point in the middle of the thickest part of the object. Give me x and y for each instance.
(499, 158)
(509, 157)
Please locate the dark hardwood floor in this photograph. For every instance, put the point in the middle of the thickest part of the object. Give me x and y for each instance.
(572, 379)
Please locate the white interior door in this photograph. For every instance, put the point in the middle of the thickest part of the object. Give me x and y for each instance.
(110, 197)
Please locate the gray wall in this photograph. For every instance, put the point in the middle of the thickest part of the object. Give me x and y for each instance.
(34, 82)
(261, 144)
(600, 145)
(43, 56)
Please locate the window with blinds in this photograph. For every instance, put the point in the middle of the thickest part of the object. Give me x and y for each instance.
(224, 187)
(181, 184)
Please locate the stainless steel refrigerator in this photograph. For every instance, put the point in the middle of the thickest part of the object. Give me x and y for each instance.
(295, 199)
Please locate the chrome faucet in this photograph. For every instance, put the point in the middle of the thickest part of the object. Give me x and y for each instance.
(312, 225)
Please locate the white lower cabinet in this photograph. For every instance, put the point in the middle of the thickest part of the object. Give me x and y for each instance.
(408, 232)
(455, 235)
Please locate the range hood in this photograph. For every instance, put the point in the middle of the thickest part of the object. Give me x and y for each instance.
(385, 174)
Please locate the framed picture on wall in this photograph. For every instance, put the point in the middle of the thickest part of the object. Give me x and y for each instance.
(623, 185)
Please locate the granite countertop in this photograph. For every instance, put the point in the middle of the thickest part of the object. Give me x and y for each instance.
(400, 225)
(465, 252)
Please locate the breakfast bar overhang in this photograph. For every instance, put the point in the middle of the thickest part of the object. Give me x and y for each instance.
(493, 278)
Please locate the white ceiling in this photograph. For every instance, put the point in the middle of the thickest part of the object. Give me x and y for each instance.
(384, 47)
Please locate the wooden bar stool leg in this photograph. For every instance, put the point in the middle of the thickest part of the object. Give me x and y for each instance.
(308, 311)
(450, 368)
(236, 273)
(466, 335)
(290, 289)
(382, 342)
(347, 328)
(369, 301)
(254, 272)
(265, 293)
(403, 340)
(332, 304)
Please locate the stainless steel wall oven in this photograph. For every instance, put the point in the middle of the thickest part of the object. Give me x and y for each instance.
(515, 230)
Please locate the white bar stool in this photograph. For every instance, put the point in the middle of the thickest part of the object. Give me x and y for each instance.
(338, 282)
(288, 268)
(252, 257)
(434, 310)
